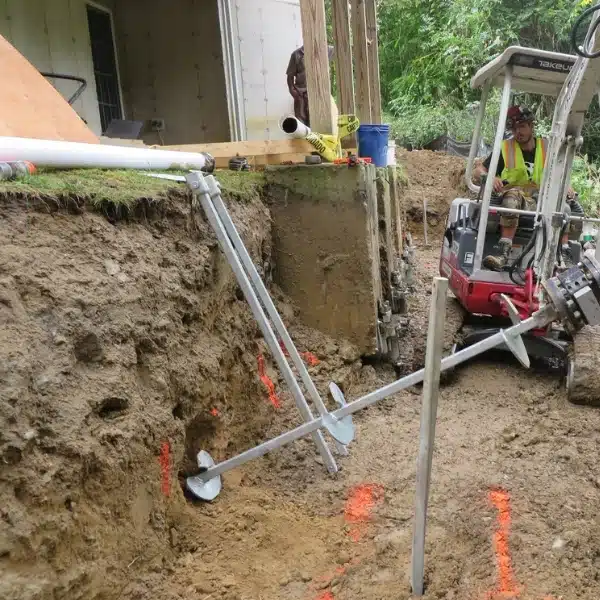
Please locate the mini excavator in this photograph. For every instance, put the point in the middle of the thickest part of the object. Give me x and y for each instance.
(535, 265)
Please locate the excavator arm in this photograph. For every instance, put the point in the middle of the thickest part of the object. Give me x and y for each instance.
(577, 93)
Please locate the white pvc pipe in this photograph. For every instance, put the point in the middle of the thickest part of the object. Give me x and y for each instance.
(294, 127)
(73, 155)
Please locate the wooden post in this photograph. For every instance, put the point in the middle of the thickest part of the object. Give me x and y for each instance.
(316, 60)
(361, 58)
(343, 63)
(373, 52)
(431, 389)
(343, 56)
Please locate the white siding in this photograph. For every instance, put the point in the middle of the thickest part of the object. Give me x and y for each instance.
(266, 32)
(54, 36)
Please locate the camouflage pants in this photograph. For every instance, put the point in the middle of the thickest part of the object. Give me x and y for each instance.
(517, 199)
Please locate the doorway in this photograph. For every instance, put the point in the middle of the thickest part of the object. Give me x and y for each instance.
(105, 65)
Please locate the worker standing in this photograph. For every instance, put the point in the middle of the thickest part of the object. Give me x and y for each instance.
(296, 81)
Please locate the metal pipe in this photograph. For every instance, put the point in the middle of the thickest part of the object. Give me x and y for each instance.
(517, 211)
(539, 319)
(489, 183)
(264, 296)
(477, 138)
(80, 80)
(431, 389)
(74, 155)
(201, 189)
(584, 219)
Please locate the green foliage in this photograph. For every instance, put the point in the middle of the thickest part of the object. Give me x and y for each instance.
(442, 43)
(585, 179)
(429, 50)
(419, 125)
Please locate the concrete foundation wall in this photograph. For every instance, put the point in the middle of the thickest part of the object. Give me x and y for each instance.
(326, 247)
(171, 64)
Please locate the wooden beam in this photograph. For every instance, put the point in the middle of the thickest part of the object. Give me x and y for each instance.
(361, 61)
(258, 153)
(343, 56)
(251, 148)
(316, 60)
(373, 51)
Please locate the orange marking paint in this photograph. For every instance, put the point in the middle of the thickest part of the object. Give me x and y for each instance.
(359, 505)
(507, 587)
(310, 358)
(326, 596)
(214, 412)
(267, 382)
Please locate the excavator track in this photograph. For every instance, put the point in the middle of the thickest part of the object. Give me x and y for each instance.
(583, 376)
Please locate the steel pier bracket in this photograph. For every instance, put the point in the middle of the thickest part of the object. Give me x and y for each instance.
(342, 430)
(205, 490)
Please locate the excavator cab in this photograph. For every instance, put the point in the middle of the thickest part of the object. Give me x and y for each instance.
(473, 224)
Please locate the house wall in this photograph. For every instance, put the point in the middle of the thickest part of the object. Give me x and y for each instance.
(53, 35)
(171, 64)
(169, 56)
(265, 34)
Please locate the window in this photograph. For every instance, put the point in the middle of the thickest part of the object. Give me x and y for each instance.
(105, 65)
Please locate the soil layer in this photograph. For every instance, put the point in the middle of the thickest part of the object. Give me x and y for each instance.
(117, 338)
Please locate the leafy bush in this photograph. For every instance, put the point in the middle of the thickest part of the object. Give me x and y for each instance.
(585, 179)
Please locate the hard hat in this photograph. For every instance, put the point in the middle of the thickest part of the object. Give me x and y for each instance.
(518, 114)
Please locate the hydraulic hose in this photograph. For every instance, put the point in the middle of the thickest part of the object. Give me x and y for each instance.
(530, 244)
(583, 51)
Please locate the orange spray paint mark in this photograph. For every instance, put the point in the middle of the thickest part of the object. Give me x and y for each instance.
(214, 412)
(165, 468)
(267, 382)
(326, 596)
(507, 587)
(359, 505)
(309, 357)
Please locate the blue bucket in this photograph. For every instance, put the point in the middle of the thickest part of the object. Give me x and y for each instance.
(373, 143)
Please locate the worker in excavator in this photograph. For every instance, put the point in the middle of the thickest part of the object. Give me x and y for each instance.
(518, 179)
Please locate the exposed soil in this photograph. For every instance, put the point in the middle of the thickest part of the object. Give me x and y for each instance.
(150, 309)
(435, 177)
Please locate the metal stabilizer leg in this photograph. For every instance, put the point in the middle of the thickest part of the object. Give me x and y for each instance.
(201, 190)
(541, 318)
(341, 431)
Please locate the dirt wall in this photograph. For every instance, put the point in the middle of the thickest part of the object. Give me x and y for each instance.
(325, 230)
(114, 338)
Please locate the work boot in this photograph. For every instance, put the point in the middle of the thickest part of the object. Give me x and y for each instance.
(497, 263)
